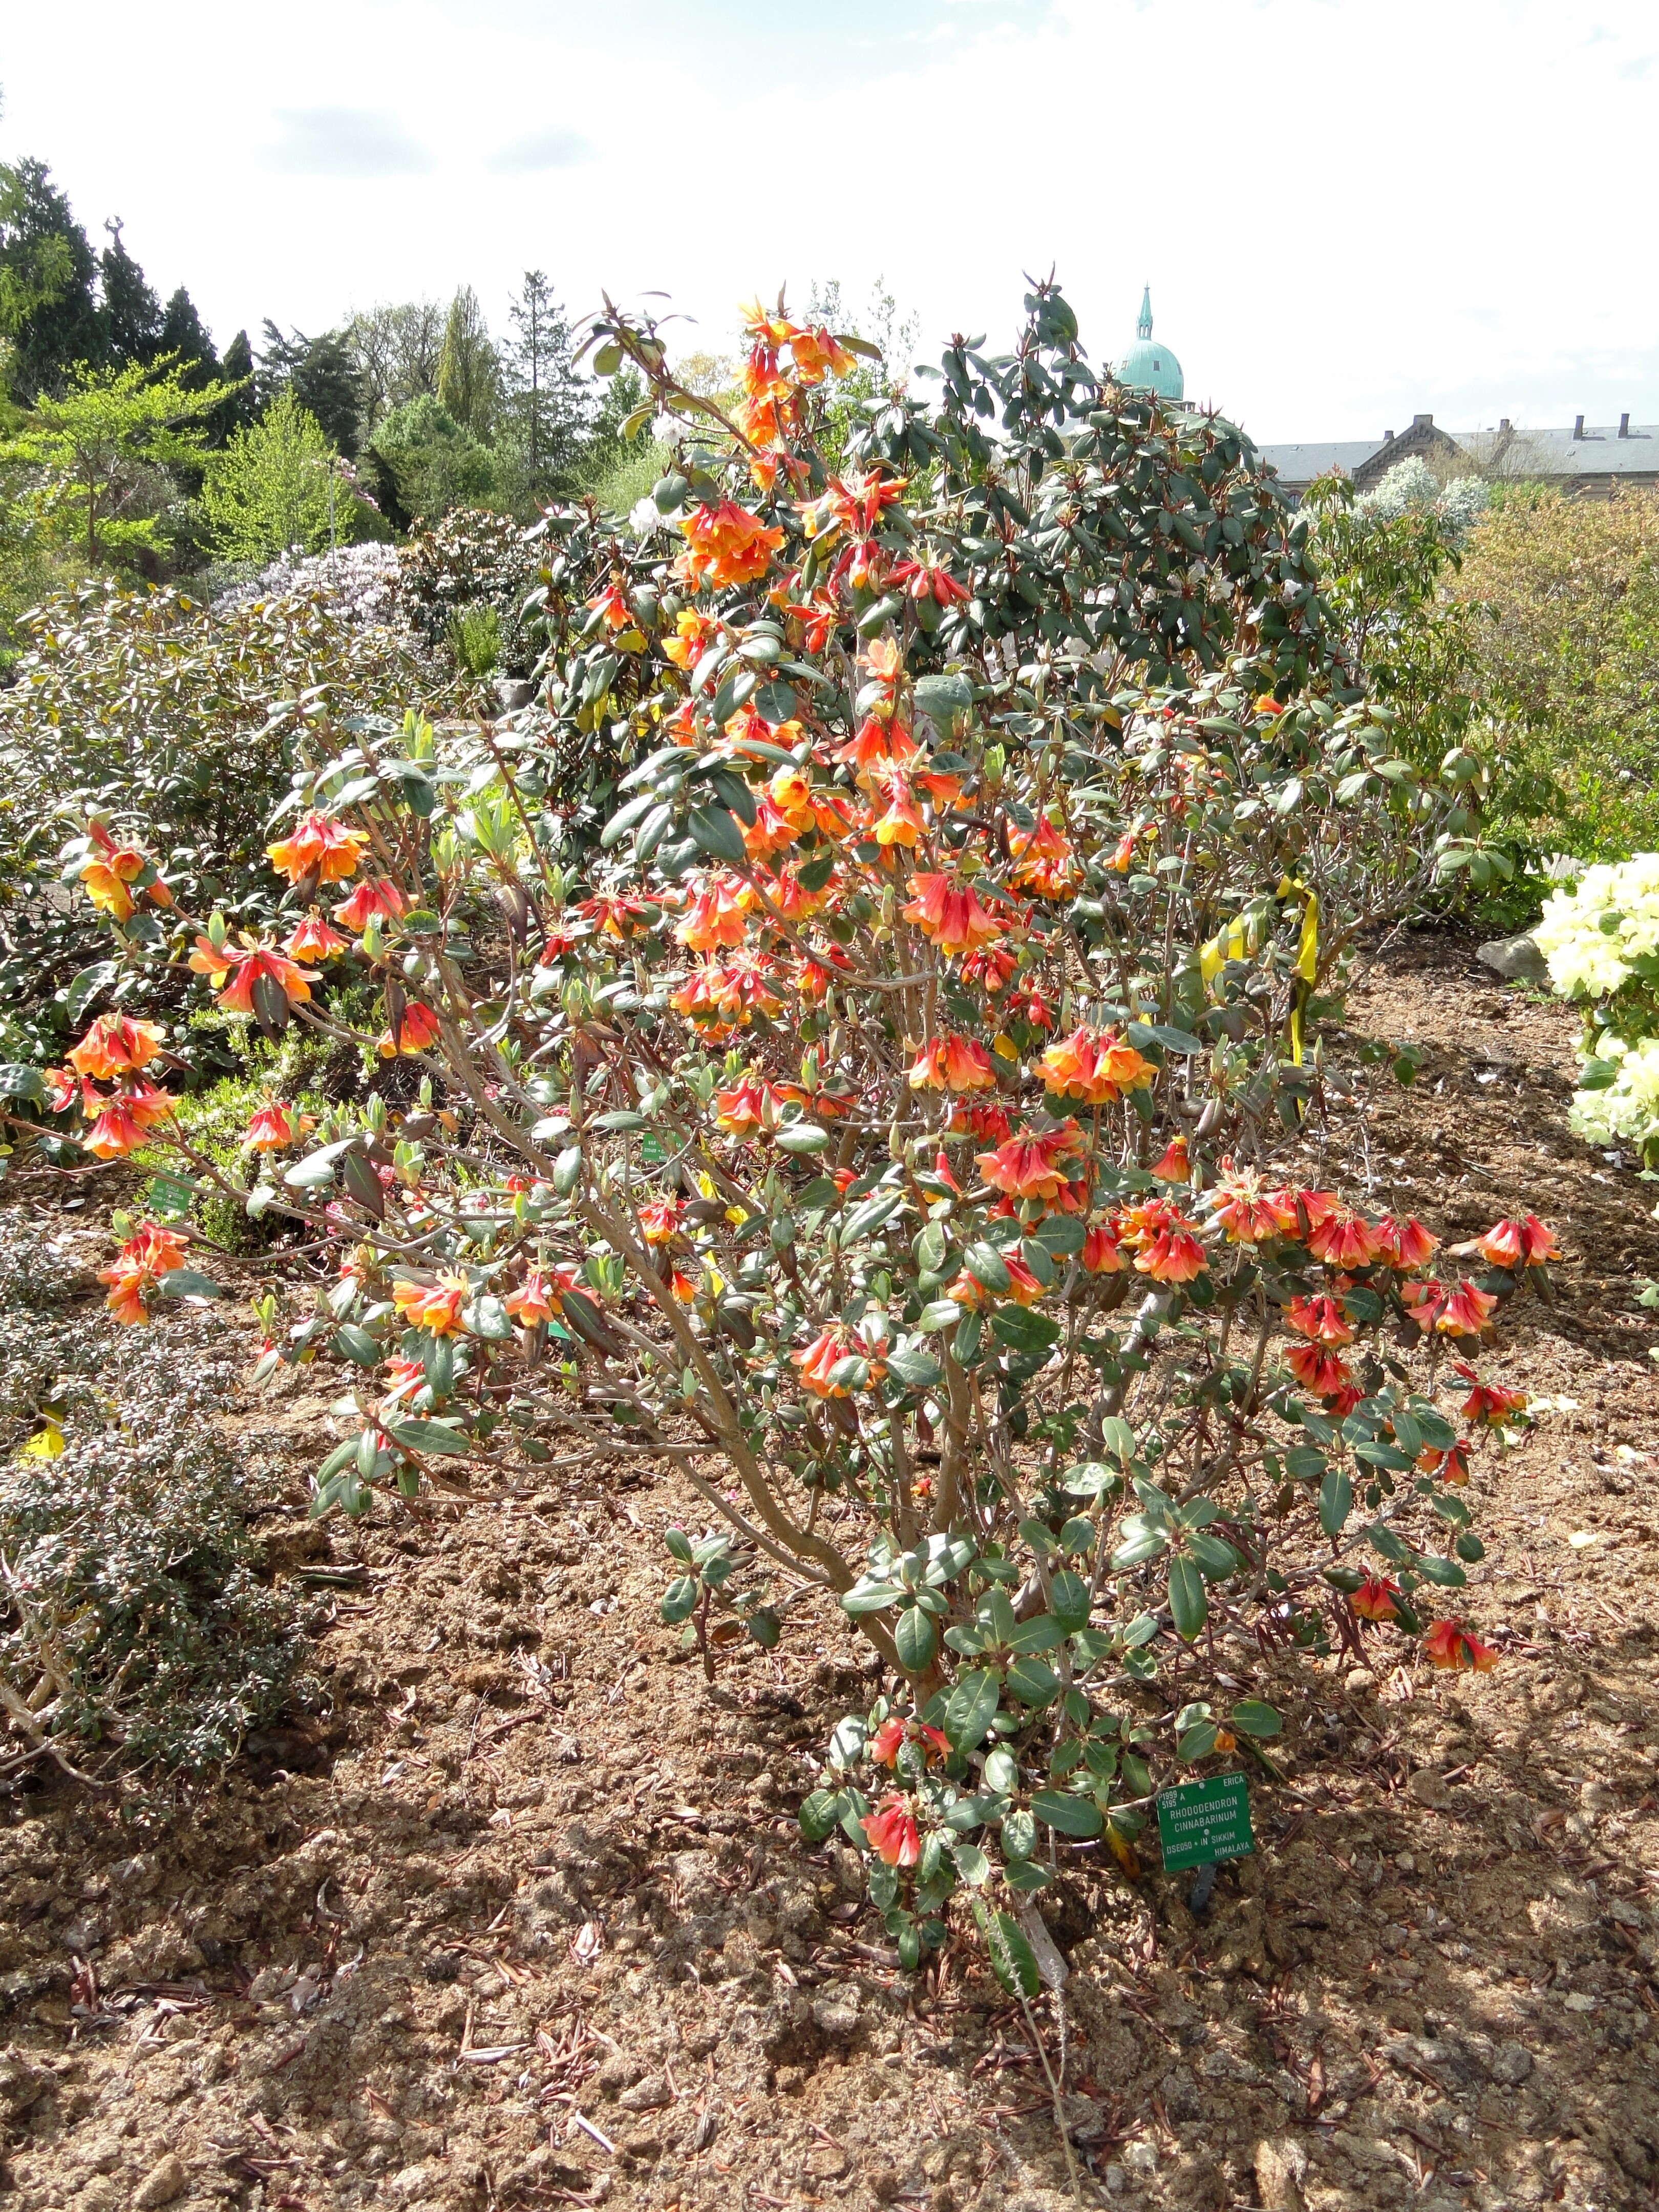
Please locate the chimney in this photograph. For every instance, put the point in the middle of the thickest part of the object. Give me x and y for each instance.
(1503, 422)
(1577, 426)
(1422, 421)
(1387, 437)
(1624, 425)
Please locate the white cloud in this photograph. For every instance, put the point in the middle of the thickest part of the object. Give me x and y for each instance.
(344, 142)
(552, 148)
(1346, 217)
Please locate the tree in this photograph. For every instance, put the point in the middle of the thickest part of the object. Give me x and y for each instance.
(268, 491)
(239, 378)
(101, 451)
(322, 373)
(396, 349)
(129, 311)
(184, 333)
(427, 464)
(548, 400)
(48, 274)
(469, 368)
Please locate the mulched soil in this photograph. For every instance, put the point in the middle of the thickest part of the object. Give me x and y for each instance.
(520, 1917)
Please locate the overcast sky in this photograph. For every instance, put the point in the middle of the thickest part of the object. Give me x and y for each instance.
(1350, 211)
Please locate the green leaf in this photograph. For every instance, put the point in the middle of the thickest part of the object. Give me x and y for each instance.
(1033, 1682)
(1019, 1836)
(1216, 1559)
(1189, 1607)
(186, 1283)
(1012, 1959)
(17, 1080)
(802, 1137)
(986, 1265)
(1002, 1771)
(868, 1595)
(1117, 1438)
(679, 1600)
(350, 1342)
(818, 1815)
(1198, 1743)
(1026, 1874)
(715, 831)
(1069, 1816)
(971, 1863)
(679, 1545)
(1252, 1718)
(432, 1438)
(917, 1371)
(1335, 1502)
(915, 1639)
(1023, 1330)
(1068, 1597)
(970, 1708)
(1445, 1574)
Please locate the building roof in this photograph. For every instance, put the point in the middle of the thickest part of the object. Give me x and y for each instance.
(1585, 451)
(1150, 368)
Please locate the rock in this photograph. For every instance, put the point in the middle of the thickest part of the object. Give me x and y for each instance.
(1518, 959)
(20, 2084)
(645, 2096)
(513, 693)
(1280, 2169)
(1360, 1677)
(1596, 1797)
(1510, 2064)
(160, 2184)
(826, 2162)
(1429, 1788)
(1445, 2063)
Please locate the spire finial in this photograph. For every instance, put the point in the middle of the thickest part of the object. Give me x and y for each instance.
(1144, 327)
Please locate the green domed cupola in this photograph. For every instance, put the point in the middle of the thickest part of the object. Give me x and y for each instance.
(1150, 368)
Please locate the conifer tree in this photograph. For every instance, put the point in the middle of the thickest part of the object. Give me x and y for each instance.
(48, 275)
(548, 400)
(130, 312)
(469, 368)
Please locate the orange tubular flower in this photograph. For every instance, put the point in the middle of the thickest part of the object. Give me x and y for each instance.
(1404, 1245)
(714, 917)
(148, 1253)
(1297, 1207)
(1028, 1165)
(115, 1045)
(1164, 1243)
(378, 899)
(1320, 1319)
(1451, 1465)
(320, 848)
(1526, 1242)
(1489, 1403)
(1023, 1288)
(817, 1362)
(114, 1133)
(1101, 1256)
(692, 632)
(772, 830)
(1095, 1066)
(276, 1127)
(950, 915)
(875, 745)
(1044, 860)
(1317, 1369)
(436, 1307)
(613, 605)
(1376, 1599)
(105, 880)
(896, 1730)
(1174, 1166)
(538, 1297)
(659, 1220)
(726, 544)
(1446, 1644)
(749, 1107)
(616, 915)
(894, 1836)
(1249, 1214)
(952, 1063)
(902, 824)
(418, 1030)
(244, 969)
(313, 938)
(1342, 1240)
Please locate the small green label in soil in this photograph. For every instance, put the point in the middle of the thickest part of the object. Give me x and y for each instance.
(1199, 1822)
(651, 1151)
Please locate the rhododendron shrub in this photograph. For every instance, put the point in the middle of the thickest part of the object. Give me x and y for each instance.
(882, 1120)
(1599, 939)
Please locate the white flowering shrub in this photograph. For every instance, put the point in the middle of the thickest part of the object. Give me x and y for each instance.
(1411, 488)
(1600, 940)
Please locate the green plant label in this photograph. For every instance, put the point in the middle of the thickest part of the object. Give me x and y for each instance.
(1199, 1822)
(652, 1152)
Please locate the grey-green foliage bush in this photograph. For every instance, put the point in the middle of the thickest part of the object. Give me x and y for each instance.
(133, 1620)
